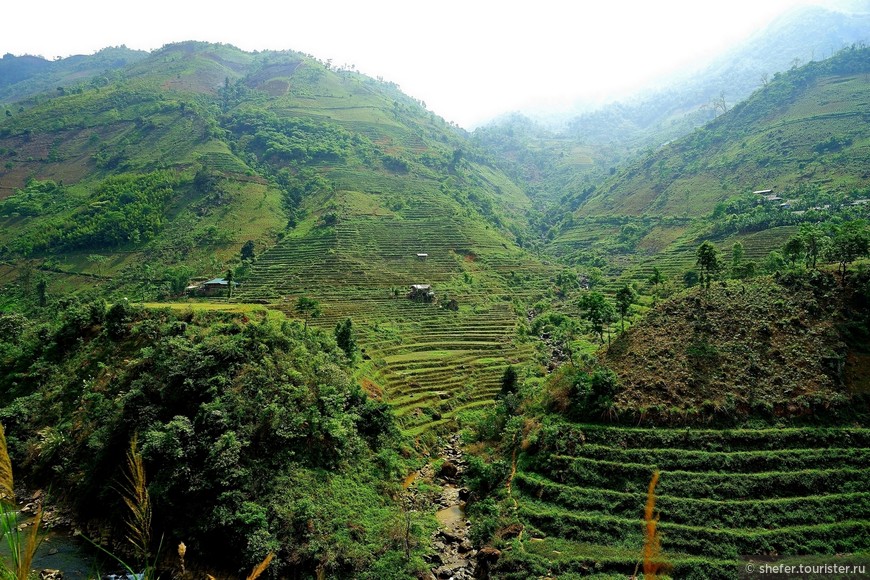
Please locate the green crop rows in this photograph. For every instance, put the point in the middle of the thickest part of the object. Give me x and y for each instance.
(429, 362)
(721, 494)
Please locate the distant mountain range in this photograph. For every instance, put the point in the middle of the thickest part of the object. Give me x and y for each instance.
(25, 76)
(615, 132)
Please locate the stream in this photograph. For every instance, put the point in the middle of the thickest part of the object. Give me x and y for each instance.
(59, 553)
(455, 555)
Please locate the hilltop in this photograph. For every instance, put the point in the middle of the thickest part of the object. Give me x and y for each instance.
(775, 348)
(27, 76)
(247, 146)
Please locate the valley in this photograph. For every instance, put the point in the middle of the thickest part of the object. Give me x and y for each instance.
(533, 325)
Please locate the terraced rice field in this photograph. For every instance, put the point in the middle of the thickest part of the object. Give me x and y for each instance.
(429, 362)
(722, 493)
(443, 363)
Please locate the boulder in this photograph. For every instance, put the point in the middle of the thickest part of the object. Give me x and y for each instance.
(512, 531)
(451, 537)
(448, 469)
(489, 554)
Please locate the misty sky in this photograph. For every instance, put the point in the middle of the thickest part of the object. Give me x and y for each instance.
(468, 60)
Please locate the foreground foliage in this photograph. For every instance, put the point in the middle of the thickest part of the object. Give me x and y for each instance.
(255, 439)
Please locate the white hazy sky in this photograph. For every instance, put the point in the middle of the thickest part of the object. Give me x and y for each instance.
(469, 60)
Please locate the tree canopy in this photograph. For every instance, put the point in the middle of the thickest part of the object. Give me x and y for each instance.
(598, 311)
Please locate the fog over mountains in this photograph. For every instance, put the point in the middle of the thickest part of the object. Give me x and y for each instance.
(802, 34)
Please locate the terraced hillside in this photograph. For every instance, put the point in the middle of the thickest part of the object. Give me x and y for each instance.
(341, 183)
(721, 494)
(428, 361)
(246, 140)
(802, 139)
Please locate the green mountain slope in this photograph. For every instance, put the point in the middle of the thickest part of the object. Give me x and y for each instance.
(806, 127)
(803, 136)
(565, 157)
(339, 180)
(263, 127)
(551, 165)
(22, 77)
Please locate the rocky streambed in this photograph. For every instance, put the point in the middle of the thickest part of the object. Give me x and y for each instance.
(454, 557)
(454, 553)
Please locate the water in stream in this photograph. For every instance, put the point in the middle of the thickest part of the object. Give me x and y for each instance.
(59, 551)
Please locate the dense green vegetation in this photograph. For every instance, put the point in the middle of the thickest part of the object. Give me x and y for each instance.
(128, 209)
(253, 434)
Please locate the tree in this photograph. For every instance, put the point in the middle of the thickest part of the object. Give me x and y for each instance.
(454, 161)
(851, 241)
(815, 242)
(774, 262)
(344, 337)
(178, 277)
(248, 250)
(690, 278)
(225, 95)
(708, 262)
(598, 311)
(720, 104)
(509, 381)
(793, 249)
(655, 280)
(229, 279)
(205, 181)
(738, 253)
(308, 308)
(625, 297)
(41, 292)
